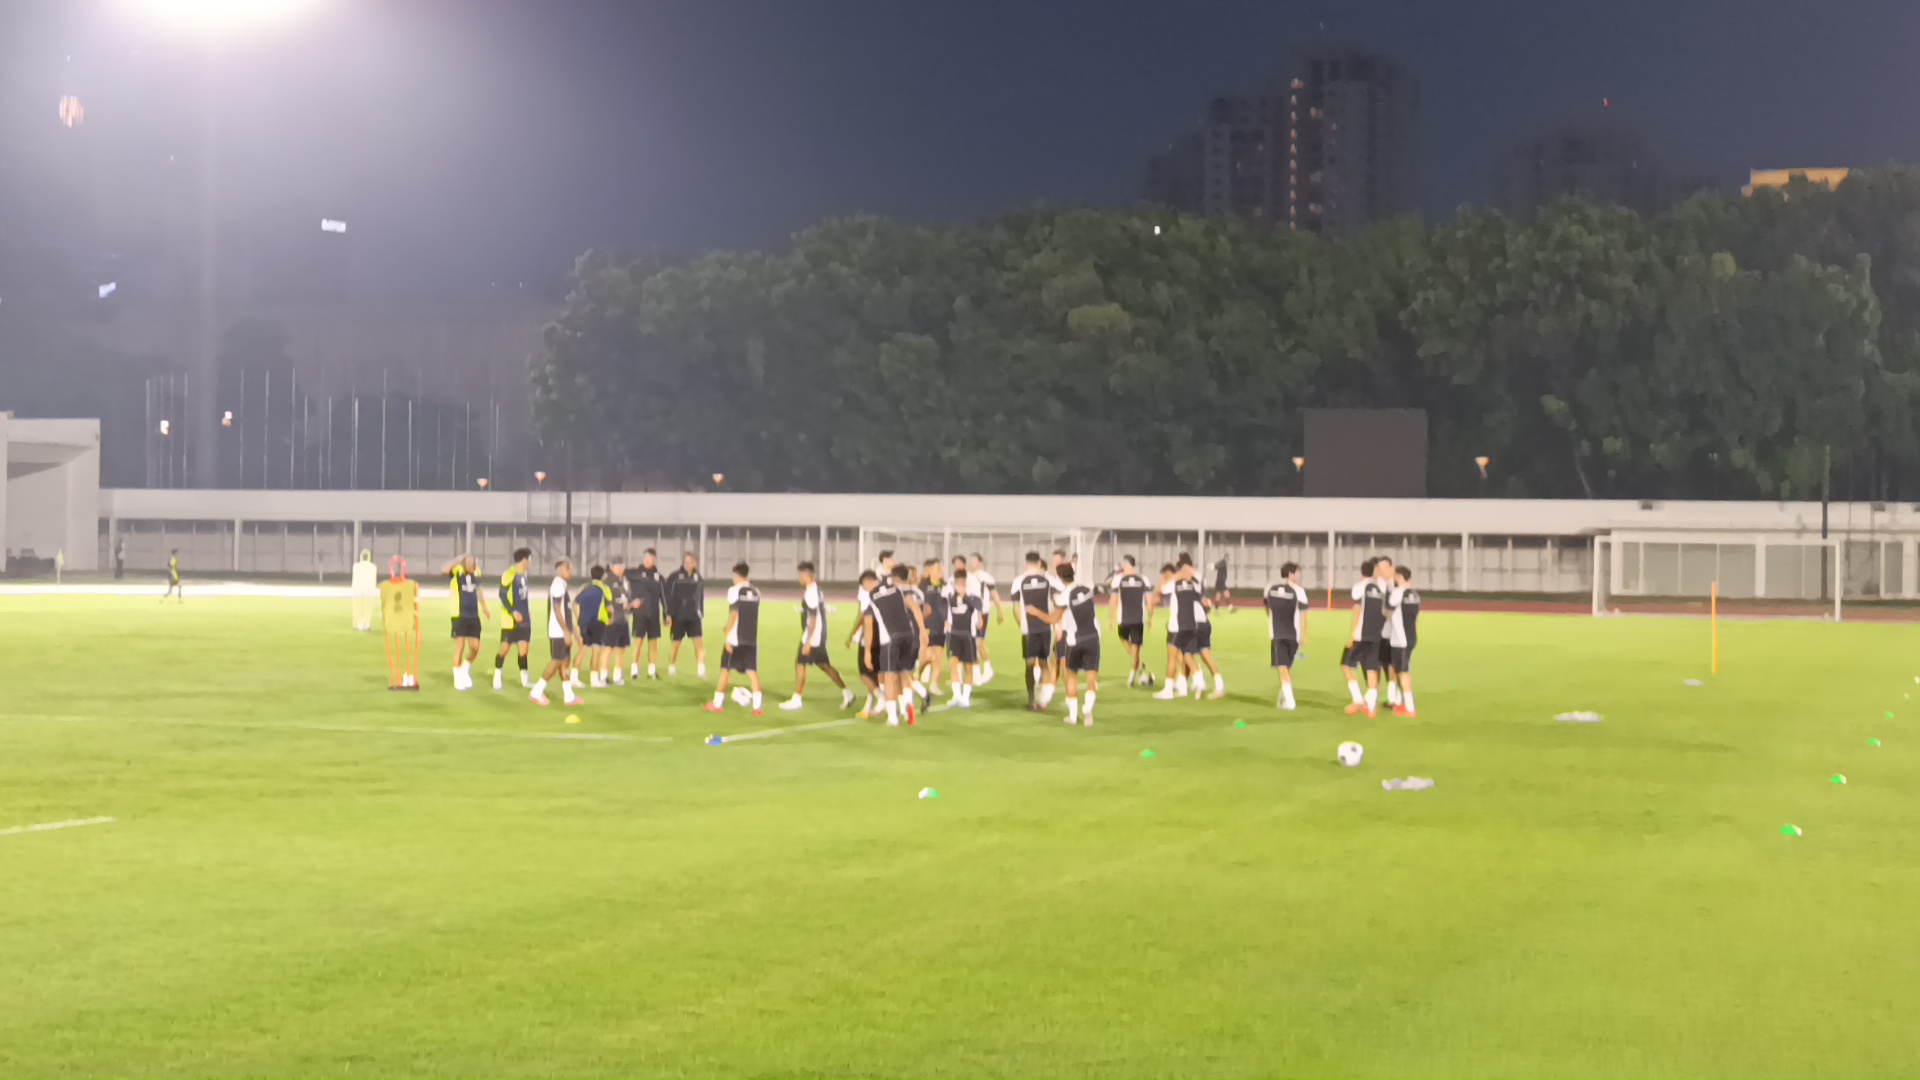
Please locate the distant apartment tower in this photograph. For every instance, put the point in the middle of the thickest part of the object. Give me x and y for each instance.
(1602, 162)
(1176, 176)
(1350, 119)
(1241, 163)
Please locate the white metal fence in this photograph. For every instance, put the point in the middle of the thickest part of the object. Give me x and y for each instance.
(1467, 546)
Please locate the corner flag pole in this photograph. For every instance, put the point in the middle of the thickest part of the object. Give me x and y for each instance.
(1713, 617)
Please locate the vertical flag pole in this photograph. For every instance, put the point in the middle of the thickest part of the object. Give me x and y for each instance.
(1713, 617)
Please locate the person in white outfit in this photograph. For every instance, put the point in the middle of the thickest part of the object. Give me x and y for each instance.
(365, 592)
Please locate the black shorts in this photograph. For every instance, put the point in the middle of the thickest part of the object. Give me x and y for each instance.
(896, 657)
(1364, 655)
(814, 657)
(520, 631)
(1187, 641)
(466, 626)
(1084, 656)
(964, 649)
(1284, 651)
(1034, 645)
(1386, 652)
(1134, 634)
(686, 628)
(860, 660)
(1204, 635)
(1403, 658)
(590, 635)
(646, 625)
(616, 635)
(936, 639)
(742, 658)
(558, 647)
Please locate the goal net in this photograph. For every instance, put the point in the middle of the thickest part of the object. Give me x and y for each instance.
(1002, 551)
(1748, 574)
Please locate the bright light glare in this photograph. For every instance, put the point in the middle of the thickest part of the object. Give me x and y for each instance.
(216, 18)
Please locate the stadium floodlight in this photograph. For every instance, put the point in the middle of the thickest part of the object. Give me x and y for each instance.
(540, 476)
(226, 418)
(166, 427)
(332, 225)
(1300, 464)
(1156, 230)
(719, 478)
(484, 483)
(215, 18)
(1482, 462)
(108, 289)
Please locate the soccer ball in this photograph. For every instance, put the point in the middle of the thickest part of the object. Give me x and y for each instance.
(1350, 754)
(742, 696)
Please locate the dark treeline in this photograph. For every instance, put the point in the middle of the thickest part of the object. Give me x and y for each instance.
(1727, 349)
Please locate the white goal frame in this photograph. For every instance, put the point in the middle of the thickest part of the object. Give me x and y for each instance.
(1613, 552)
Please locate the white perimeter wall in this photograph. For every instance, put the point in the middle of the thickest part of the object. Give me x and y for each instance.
(1482, 545)
(53, 488)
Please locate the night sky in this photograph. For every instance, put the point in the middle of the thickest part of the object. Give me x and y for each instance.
(475, 141)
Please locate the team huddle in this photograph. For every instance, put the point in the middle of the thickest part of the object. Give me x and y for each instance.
(917, 626)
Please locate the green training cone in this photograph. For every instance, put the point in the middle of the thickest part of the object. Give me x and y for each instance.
(1239, 723)
(1146, 753)
(1789, 830)
(1873, 742)
(1837, 779)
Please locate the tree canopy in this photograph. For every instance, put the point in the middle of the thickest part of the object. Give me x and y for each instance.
(1723, 349)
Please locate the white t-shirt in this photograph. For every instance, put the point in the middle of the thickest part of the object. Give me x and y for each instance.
(559, 602)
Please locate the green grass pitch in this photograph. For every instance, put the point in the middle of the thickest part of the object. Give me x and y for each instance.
(310, 876)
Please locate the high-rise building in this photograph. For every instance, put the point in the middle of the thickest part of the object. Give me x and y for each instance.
(1176, 176)
(1240, 165)
(1603, 162)
(1351, 119)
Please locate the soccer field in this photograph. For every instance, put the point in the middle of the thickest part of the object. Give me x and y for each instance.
(308, 875)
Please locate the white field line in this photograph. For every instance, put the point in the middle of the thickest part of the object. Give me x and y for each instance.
(361, 729)
(770, 732)
(49, 826)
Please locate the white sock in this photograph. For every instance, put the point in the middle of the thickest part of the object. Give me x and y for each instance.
(1180, 686)
(1130, 676)
(955, 688)
(1199, 682)
(984, 671)
(701, 671)
(540, 688)
(1089, 704)
(1373, 699)
(498, 675)
(893, 711)
(1073, 711)
(1407, 700)
(1046, 695)
(523, 677)
(758, 698)
(566, 693)
(1286, 694)
(1353, 687)
(1393, 694)
(672, 670)
(720, 699)
(1219, 684)
(966, 694)
(653, 671)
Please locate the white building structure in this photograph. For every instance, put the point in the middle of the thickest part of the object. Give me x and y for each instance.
(53, 490)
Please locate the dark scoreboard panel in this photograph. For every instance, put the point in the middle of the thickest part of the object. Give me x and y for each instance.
(1366, 453)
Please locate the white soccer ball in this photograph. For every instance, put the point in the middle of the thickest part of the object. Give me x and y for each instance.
(1350, 754)
(742, 696)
